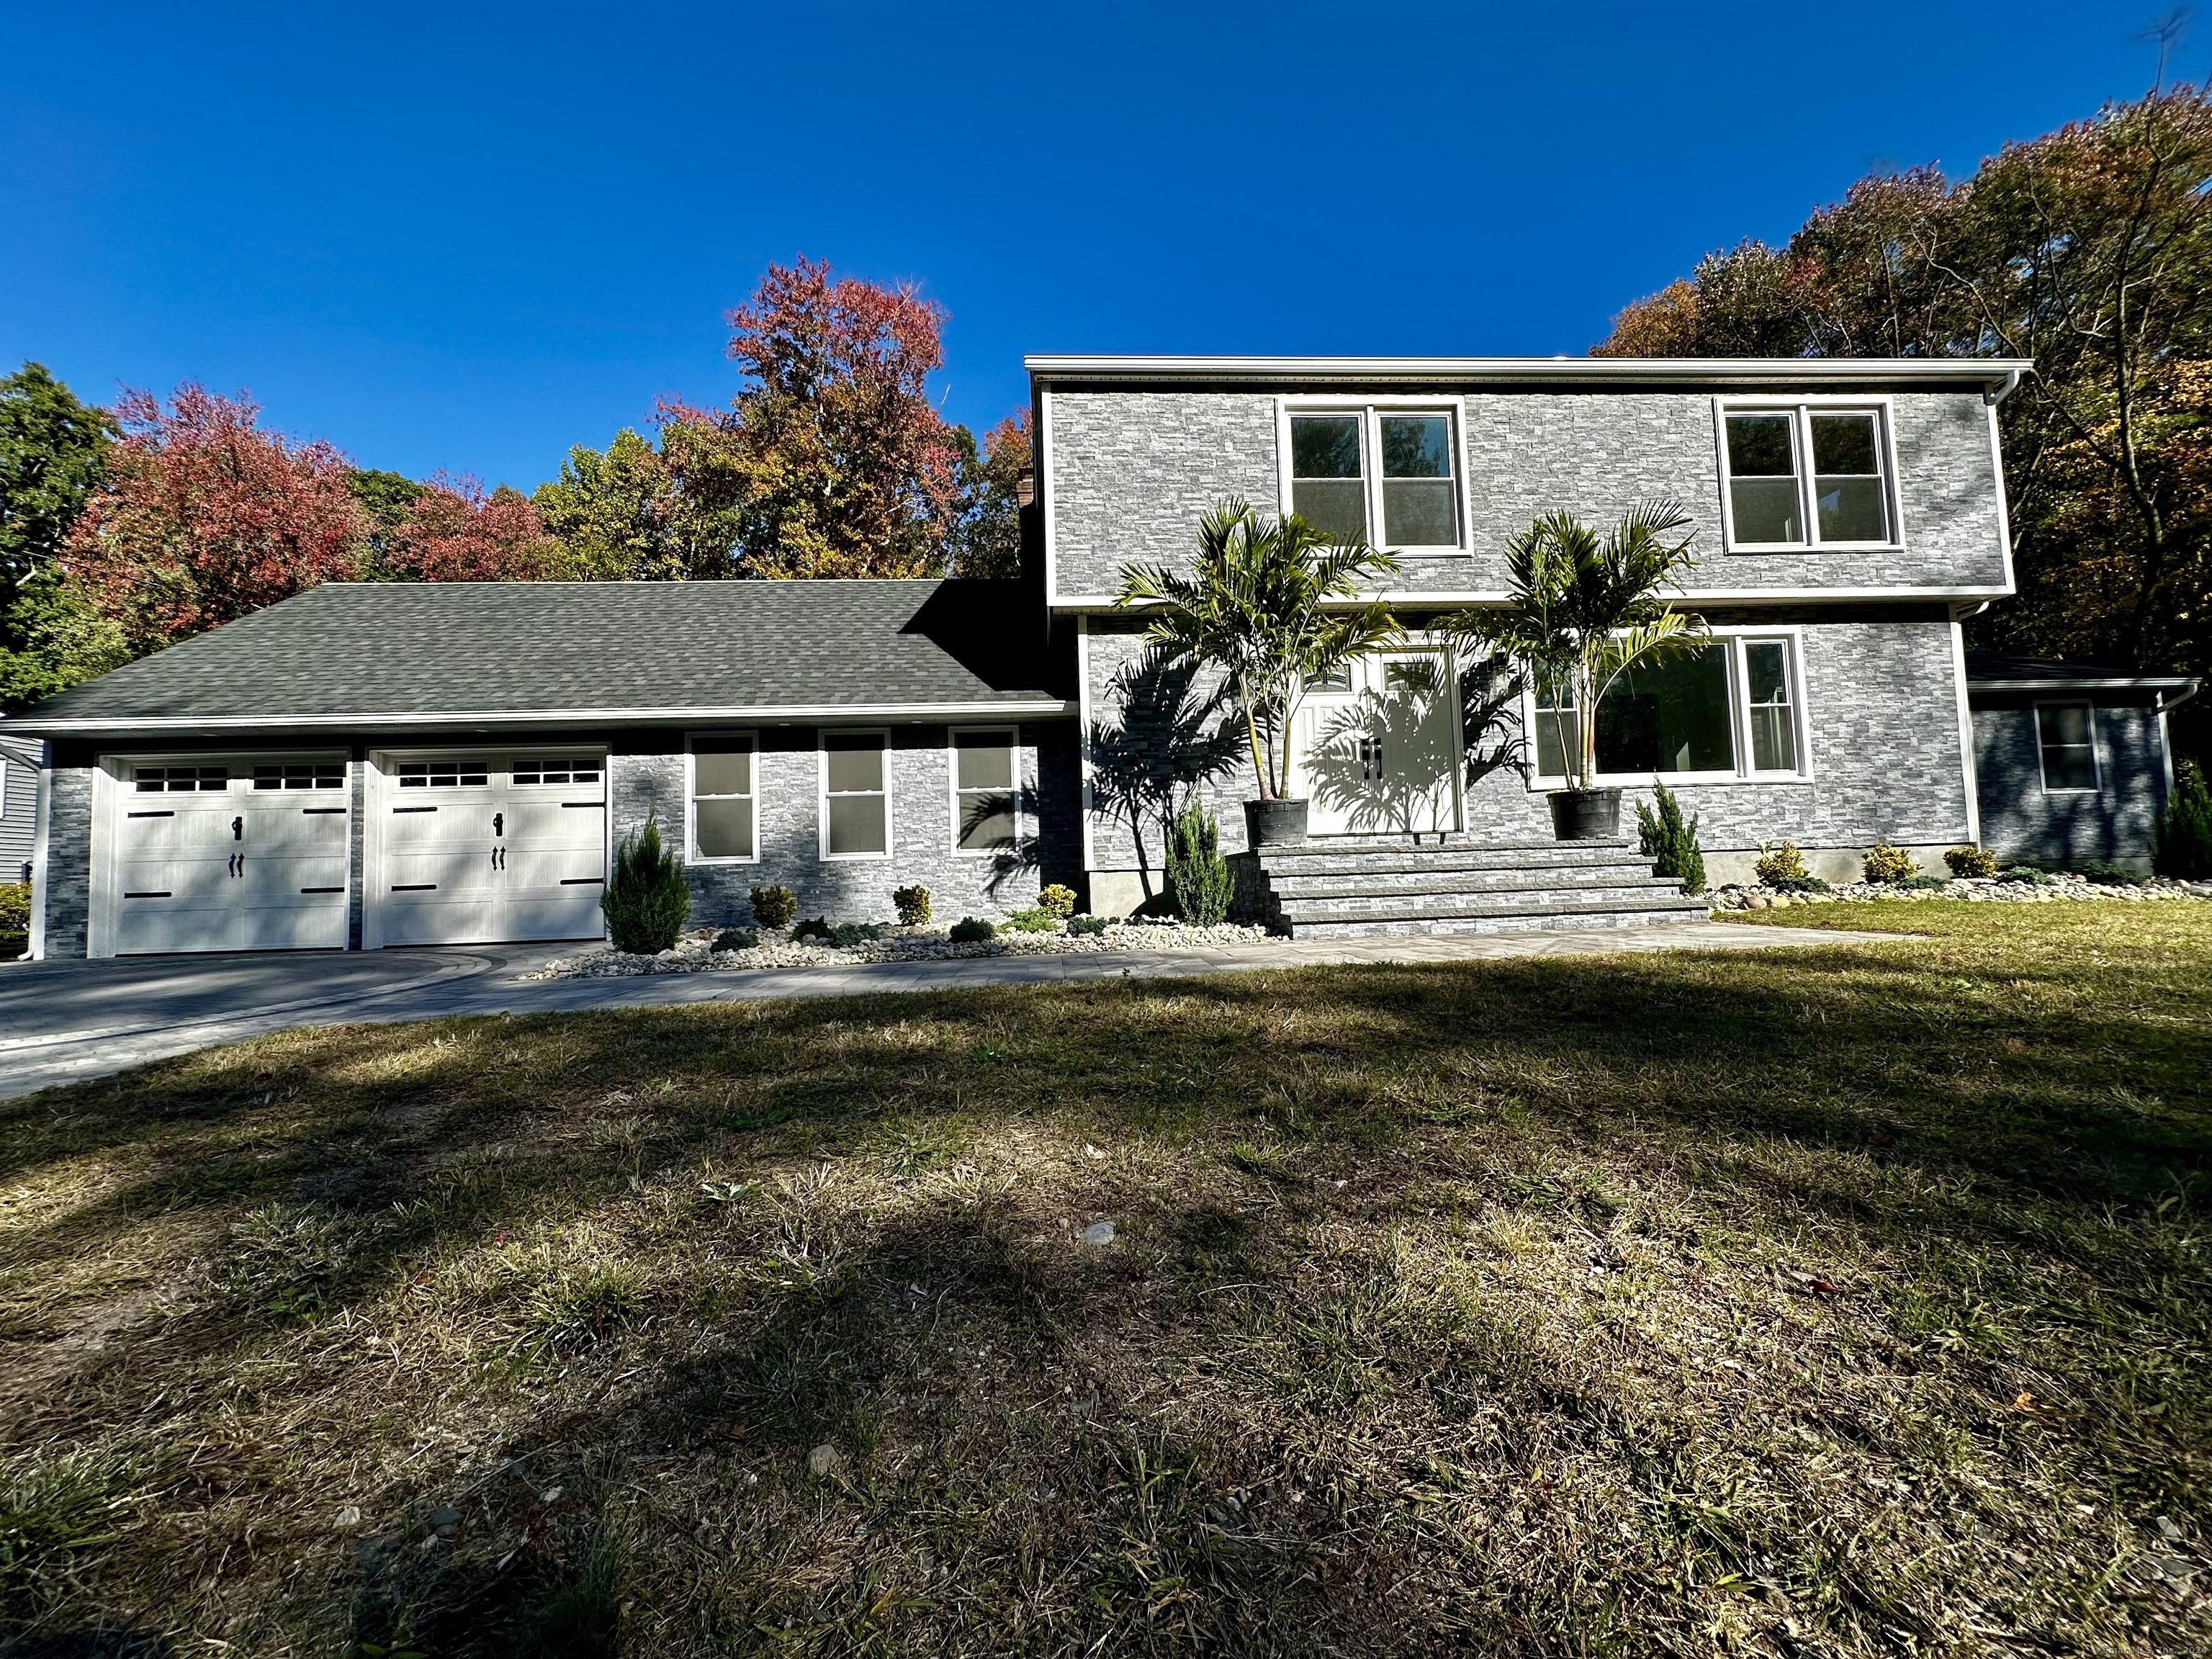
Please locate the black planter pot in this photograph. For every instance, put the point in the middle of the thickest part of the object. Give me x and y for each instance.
(1585, 814)
(1277, 822)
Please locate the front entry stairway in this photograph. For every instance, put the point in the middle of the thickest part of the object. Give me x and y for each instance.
(1359, 886)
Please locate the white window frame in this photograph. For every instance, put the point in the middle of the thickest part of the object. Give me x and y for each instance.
(822, 736)
(1801, 408)
(1735, 638)
(2096, 748)
(692, 852)
(952, 737)
(597, 763)
(1371, 412)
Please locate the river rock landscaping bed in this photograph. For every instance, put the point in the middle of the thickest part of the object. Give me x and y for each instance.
(695, 953)
(2057, 889)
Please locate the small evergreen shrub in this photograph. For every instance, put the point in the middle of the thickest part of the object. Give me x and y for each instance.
(913, 906)
(1199, 885)
(2105, 873)
(774, 907)
(1084, 927)
(972, 930)
(815, 928)
(1885, 863)
(737, 939)
(2185, 833)
(1034, 921)
(1779, 865)
(648, 900)
(1670, 843)
(2025, 872)
(1057, 900)
(1922, 884)
(845, 934)
(1971, 863)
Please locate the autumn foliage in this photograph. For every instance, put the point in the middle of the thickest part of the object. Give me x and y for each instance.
(205, 517)
(454, 532)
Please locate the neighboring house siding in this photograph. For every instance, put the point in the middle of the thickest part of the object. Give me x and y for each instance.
(2021, 820)
(1132, 471)
(19, 807)
(858, 890)
(1880, 704)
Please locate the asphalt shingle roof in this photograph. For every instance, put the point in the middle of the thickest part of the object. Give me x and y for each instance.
(509, 648)
(1996, 667)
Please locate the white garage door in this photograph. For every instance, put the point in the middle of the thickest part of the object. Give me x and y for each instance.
(477, 847)
(243, 854)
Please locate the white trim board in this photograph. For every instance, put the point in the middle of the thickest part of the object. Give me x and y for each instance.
(1103, 602)
(1996, 374)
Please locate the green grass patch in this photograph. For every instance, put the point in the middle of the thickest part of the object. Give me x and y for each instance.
(1849, 1300)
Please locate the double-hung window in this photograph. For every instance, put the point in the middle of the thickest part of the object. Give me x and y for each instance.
(725, 798)
(1727, 710)
(1383, 474)
(986, 796)
(1808, 475)
(2066, 733)
(856, 807)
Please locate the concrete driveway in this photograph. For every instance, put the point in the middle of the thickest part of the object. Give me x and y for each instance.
(62, 1021)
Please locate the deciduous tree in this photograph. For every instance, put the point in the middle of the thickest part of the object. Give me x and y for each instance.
(624, 515)
(455, 533)
(204, 517)
(987, 539)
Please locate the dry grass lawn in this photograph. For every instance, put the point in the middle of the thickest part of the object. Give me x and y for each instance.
(1845, 1302)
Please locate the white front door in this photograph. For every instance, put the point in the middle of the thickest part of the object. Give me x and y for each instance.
(1378, 753)
(216, 853)
(482, 846)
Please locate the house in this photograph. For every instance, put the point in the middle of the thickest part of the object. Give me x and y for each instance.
(2072, 760)
(373, 765)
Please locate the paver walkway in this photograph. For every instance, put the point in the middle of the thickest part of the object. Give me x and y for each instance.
(61, 1022)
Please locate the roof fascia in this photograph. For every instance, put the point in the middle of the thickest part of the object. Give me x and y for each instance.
(738, 714)
(1992, 374)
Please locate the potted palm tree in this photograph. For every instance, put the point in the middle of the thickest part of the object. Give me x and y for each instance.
(1264, 605)
(1581, 611)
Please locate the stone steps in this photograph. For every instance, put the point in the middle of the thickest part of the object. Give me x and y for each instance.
(1344, 887)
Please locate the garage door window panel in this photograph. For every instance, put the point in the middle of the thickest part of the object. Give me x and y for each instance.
(856, 819)
(445, 774)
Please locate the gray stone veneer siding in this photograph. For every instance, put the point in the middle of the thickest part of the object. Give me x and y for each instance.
(647, 773)
(63, 887)
(1132, 471)
(2021, 820)
(1882, 711)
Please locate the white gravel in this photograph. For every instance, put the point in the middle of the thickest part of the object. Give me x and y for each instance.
(2061, 890)
(695, 952)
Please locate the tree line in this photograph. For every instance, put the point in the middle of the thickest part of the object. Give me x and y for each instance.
(125, 528)
(2087, 250)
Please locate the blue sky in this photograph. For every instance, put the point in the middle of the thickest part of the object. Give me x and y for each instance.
(468, 236)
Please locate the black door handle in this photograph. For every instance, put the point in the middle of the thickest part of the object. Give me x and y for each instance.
(238, 829)
(499, 823)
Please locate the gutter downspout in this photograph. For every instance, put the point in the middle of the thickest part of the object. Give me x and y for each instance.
(2165, 738)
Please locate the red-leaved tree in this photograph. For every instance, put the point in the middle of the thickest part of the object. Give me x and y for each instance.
(454, 532)
(205, 517)
(833, 462)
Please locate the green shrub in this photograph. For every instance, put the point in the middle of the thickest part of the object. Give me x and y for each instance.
(1199, 885)
(815, 928)
(774, 907)
(1036, 921)
(1670, 843)
(648, 900)
(972, 930)
(912, 904)
(1885, 863)
(2027, 872)
(2184, 834)
(1058, 900)
(1922, 884)
(1780, 865)
(845, 934)
(1971, 863)
(2105, 873)
(1083, 927)
(15, 909)
(735, 938)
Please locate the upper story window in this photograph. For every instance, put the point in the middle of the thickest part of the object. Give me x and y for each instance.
(1354, 470)
(1808, 475)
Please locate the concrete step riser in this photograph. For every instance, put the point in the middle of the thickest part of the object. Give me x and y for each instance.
(1532, 923)
(1294, 910)
(1348, 870)
(1532, 881)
